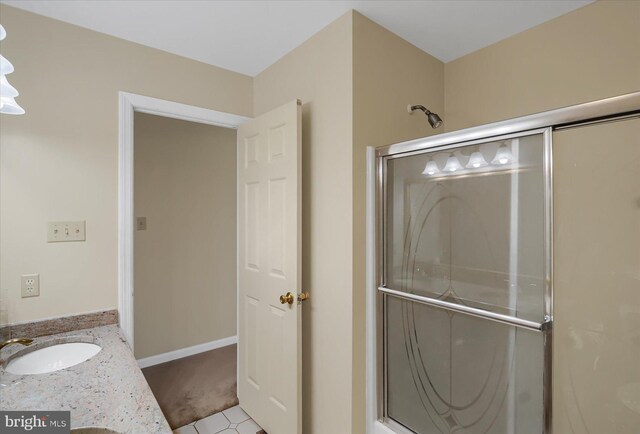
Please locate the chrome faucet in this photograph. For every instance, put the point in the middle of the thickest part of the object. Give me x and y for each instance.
(21, 341)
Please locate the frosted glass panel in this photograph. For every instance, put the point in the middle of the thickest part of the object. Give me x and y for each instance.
(454, 373)
(468, 226)
(597, 279)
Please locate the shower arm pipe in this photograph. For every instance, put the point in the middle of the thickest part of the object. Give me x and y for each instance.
(468, 310)
(420, 107)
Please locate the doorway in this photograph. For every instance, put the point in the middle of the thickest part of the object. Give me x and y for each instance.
(185, 264)
(269, 272)
(129, 105)
(180, 178)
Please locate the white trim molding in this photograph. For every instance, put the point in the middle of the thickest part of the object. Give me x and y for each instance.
(380, 428)
(130, 103)
(372, 424)
(186, 352)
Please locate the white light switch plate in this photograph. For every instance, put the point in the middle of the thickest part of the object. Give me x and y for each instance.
(58, 232)
(30, 285)
(141, 223)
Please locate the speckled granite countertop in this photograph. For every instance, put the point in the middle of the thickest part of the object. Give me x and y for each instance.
(107, 390)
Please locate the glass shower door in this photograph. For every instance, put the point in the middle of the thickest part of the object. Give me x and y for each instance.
(466, 287)
(597, 279)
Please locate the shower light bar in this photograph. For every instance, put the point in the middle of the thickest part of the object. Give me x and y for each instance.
(476, 160)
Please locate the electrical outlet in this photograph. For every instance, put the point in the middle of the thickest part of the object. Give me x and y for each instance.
(59, 232)
(30, 286)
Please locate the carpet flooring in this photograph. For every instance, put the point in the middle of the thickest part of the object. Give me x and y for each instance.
(195, 387)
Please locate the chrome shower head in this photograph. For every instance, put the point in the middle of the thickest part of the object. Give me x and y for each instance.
(434, 120)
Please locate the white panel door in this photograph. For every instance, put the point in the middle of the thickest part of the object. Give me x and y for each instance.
(269, 332)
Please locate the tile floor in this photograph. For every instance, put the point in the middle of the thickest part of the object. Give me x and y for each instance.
(230, 421)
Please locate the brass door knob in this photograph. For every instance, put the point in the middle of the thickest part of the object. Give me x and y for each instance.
(288, 298)
(303, 296)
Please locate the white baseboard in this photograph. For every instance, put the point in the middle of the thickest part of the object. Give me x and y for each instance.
(184, 352)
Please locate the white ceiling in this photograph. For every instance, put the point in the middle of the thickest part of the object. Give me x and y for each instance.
(248, 36)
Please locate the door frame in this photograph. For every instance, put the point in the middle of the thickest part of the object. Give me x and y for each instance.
(129, 103)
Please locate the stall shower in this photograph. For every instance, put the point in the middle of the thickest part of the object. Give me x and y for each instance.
(508, 296)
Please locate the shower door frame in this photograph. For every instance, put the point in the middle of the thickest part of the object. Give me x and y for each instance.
(544, 327)
(623, 106)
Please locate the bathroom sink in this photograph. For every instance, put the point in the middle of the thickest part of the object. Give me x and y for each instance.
(51, 358)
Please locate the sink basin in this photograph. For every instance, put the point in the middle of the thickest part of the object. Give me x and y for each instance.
(52, 358)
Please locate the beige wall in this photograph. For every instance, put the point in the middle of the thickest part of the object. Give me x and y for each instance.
(588, 54)
(354, 79)
(60, 160)
(319, 73)
(185, 261)
(388, 74)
